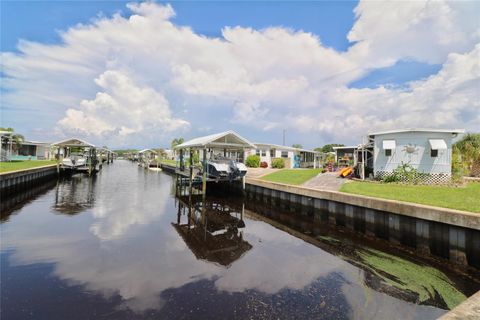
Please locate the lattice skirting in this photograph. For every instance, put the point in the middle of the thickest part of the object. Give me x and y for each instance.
(425, 178)
(475, 172)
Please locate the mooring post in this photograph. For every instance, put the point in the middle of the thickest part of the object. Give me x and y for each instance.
(204, 177)
(191, 172)
(182, 165)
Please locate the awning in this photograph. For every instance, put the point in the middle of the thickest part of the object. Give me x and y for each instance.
(437, 144)
(389, 144)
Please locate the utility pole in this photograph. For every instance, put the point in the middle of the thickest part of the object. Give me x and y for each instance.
(284, 136)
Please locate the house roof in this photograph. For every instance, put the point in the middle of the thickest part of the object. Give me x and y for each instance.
(417, 130)
(35, 143)
(345, 147)
(277, 146)
(227, 139)
(73, 142)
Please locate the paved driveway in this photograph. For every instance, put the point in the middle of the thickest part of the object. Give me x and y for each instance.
(325, 181)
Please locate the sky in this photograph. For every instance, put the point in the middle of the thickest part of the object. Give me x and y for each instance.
(138, 74)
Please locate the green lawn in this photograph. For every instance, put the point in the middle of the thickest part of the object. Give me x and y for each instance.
(292, 176)
(168, 162)
(20, 165)
(460, 198)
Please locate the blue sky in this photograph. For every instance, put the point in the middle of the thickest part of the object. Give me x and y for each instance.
(330, 22)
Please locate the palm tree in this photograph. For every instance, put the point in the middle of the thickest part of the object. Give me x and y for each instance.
(469, 149)
(175, 142)
(17, 138)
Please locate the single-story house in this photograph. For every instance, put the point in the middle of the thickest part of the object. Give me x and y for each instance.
(33, 150)
(170, 154)
(427, 150)
(294, 157)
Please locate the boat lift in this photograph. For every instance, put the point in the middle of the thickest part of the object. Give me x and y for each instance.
(227, 144)
(64, 150)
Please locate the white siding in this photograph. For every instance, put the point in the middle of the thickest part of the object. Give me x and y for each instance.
(267, 158)
(420, 158)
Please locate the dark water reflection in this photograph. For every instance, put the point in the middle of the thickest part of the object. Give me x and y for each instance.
(122, 246)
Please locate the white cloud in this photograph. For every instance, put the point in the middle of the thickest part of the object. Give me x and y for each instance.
(122, 108)
(426, 31)
(142, 78)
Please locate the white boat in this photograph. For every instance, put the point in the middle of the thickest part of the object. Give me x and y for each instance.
(75, 160)
(223, 168)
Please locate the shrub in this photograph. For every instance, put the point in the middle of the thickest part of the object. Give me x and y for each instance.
(253, 161)
(263, 164)
(278, 163)
(404, 173)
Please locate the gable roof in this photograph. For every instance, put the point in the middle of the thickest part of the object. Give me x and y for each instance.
(145, 150)
(417, 130)
(73, 142)
(227, 139)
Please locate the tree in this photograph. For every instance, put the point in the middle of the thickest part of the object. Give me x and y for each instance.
(469, 150)
(329, 147)
(175, 142)
(16, 137)
(297, 145)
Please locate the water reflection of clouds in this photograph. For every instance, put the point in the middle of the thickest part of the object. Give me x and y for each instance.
(145, 256)
(114, 215)
(140, 266)
(277, 261)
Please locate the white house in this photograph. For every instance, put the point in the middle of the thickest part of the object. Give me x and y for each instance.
(294, 157)
(427, 150)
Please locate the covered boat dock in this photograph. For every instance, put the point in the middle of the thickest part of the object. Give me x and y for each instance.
(66, 147)
(227, 145)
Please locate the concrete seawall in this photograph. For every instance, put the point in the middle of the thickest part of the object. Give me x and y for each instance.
(448, 216)
(450, 234)
(467, 310)
(11, 181)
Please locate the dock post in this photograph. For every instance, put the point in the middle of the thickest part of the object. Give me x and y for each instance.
(204, 177)
(191, 172)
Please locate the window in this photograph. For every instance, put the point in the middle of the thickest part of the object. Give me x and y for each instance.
(272, 153)
(257, 152)
(433, 153)
(264, 153)
(388, 152)
(284, 154)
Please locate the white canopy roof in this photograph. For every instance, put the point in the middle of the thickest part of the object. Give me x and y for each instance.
(453, 131)
(437, 144)
(147, 150)
(223, 140)
(73, 142)
(389, 144)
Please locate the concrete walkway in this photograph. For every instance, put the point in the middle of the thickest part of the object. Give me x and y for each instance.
(258, 172)
(325, 181)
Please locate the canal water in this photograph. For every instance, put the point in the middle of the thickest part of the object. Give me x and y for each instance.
(121, 245)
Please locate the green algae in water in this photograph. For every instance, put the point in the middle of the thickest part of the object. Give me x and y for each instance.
(327, 239)
(423, 280)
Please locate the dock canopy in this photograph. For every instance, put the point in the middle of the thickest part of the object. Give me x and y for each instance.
(437, 144)
(227, 140)
(73, 142)
(147, 150)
